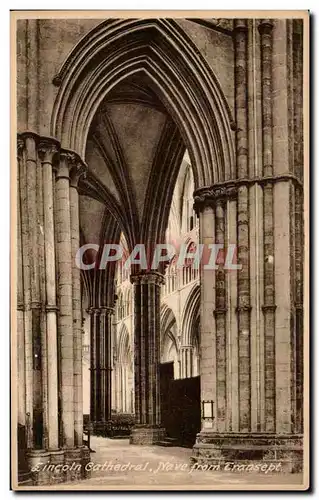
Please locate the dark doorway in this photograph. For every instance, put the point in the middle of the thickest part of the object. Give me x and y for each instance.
(180, 405)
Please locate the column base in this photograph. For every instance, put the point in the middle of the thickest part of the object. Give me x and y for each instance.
(85, 459)
(234, 451)
(38, 461)
(73, 464)
(58, 466)
(146, 435)
(56, 473)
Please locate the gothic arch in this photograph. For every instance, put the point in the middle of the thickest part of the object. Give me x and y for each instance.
(185, 84)
(124, 371)
(169, 342)
(124, 354)
(168, 321)
(190, 315)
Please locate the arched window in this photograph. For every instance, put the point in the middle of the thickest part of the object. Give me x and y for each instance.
(129, 302)
(169, 348)
(124, 373)
(120, 306)
(188, 214)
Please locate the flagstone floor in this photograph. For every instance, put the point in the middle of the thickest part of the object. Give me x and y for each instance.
(154, 467)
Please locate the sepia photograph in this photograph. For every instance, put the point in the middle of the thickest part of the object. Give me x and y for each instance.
(159, 250)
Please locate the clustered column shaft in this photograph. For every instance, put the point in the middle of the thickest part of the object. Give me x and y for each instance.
(47, 151)
(265, 29)
(220, 319)
(64, 257)
(51, 345)
(243, 308)
(49, 296)
(76, 172)
(101, 365)
(146, 357)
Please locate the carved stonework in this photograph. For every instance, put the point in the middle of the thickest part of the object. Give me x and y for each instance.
(47, 148)
(265, 26)
(208, 196)
(148, 278)
(20, 147)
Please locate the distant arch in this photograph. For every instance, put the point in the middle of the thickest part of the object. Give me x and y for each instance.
(169, 343)
(190, 315)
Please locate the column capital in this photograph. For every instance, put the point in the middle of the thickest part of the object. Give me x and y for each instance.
(265, 26)
(47, 148)
(220, 311)
(147, 278)
(269, 308)
(108, 311)
(105, 310)
(20, 146)
(70, 166)
(210, 195)
(240, 26)
(77, 171)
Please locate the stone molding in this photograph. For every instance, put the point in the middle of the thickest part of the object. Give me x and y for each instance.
(107, 310)
(148, 278)
(49, 149)
(209, 195)
(240, 25)
(265, 26)
(269, 307)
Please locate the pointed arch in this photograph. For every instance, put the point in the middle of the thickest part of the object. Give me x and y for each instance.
(184, 82)
(190, 315)
(168, 321)
(124, 354)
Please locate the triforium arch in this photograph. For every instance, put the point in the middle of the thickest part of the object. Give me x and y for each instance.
(124, 372)
(190, 341)
(169, 339)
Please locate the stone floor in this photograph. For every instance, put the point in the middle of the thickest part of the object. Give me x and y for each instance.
(154, 467)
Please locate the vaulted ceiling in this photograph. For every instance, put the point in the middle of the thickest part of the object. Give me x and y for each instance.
(134, 151)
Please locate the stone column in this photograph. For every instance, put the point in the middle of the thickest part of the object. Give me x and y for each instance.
(269, 306)
(208, 373)
(32, 211)
(243, 307)
(65, 320)
(101, 366)
(95, 407)
(46, 150)
(210, 205)
(220, 318)
(101, 347)
(187, 361)
(26, 270)
(232, 323)
(21, 393)
(78, 169)
(108, 313)
(297, 56)
(147, 288)
(288, 239)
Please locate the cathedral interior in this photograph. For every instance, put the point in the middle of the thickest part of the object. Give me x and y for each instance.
(148, 131)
